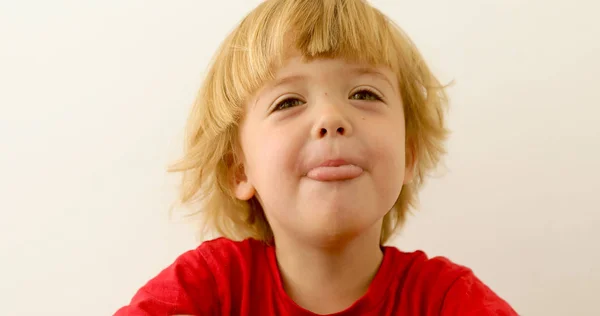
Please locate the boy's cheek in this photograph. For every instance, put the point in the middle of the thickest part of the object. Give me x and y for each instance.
(278, 149)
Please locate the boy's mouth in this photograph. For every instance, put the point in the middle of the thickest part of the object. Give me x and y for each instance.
(334, 170)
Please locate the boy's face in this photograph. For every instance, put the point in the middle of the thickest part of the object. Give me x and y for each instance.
(324, 149)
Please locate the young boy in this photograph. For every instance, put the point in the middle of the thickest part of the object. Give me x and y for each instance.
(309, 140)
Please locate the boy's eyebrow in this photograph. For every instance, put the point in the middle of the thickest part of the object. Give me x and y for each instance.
(354, 71)
(371, 71)
(279, 82)
(286, 80)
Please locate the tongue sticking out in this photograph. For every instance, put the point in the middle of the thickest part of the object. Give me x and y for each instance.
(337, 173)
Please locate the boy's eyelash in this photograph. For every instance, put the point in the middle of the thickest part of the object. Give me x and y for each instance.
(373, 93)
(280, 105)
(293, 101)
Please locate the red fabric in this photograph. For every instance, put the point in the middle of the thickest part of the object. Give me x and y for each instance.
(223, 277)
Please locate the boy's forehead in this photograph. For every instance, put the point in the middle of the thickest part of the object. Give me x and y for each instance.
(298, 65)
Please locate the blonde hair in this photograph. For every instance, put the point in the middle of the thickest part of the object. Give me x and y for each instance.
(249, 57)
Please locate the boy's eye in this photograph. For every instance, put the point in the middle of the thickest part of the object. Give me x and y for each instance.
(287, 103)
(365, 95)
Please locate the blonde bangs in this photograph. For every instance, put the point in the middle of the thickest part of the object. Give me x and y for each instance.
(249, 57)
(313, 29)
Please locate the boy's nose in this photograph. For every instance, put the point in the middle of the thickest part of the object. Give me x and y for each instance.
(332, 123)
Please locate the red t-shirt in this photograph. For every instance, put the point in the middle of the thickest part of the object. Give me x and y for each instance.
(223, 277)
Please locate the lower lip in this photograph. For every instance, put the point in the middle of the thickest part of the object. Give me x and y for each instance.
(339, 173)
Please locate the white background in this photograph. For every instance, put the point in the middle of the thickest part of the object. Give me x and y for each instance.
(94, 95)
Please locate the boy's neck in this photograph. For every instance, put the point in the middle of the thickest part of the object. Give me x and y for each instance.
(329, 279)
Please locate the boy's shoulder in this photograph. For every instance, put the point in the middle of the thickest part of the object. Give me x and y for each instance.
(424, 277)
(223, 250)
(443, 285)
(418, 265)
(193, 282)
(230, 261)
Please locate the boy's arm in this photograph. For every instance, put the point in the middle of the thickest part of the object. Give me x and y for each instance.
(185, 287)
(469, 296)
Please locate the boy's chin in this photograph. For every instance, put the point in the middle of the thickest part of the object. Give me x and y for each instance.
(334, 239)
(337, 230)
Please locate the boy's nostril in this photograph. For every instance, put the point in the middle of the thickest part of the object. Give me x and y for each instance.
(339, 131)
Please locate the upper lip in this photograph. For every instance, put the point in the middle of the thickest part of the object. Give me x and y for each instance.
(333, 163)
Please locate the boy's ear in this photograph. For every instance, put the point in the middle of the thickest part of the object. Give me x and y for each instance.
(242, 188)
(411, 162)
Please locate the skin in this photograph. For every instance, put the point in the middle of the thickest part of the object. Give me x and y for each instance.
(324, 152)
